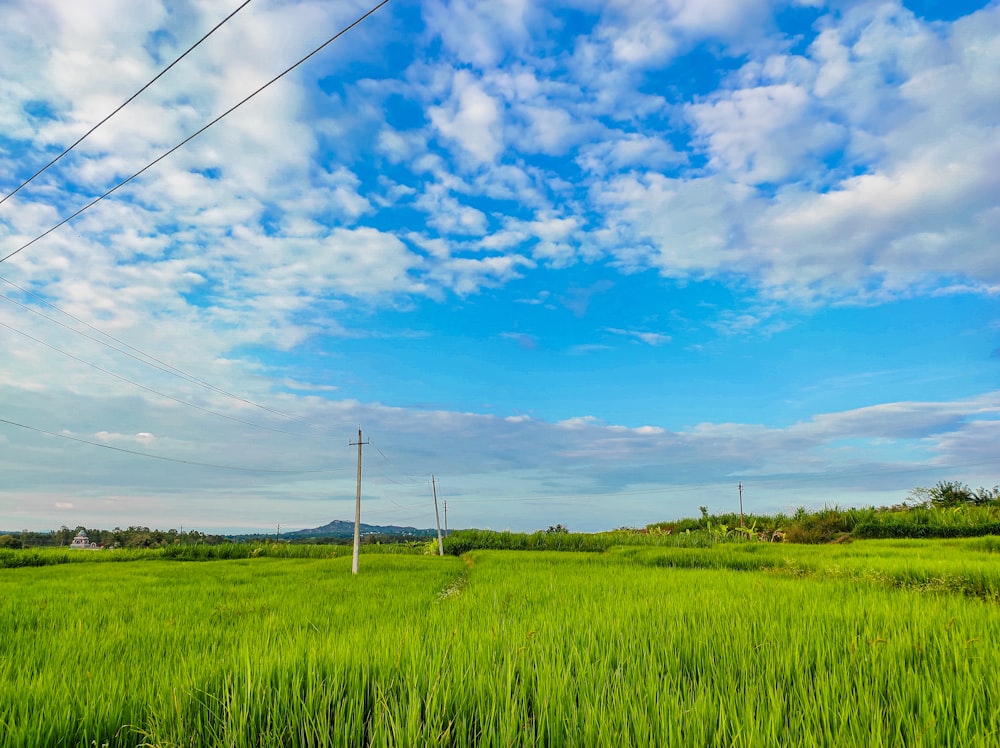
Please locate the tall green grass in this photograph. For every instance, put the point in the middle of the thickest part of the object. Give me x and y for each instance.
(504, 648)
(163, 652)
(833, 522)
(933, 522)
(224, 551)
(463, 541)
(963, 566)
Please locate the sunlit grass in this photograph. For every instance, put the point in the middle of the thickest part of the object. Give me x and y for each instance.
(195, 552)
(967, 565)
(775, 646)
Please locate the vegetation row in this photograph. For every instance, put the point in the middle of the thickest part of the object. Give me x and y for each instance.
(946, 510)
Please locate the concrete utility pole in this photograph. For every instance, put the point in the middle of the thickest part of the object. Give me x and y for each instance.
(741, 504)
(437, 516)
(357, 510)
(446, 517)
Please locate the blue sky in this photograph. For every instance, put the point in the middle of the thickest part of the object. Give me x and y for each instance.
(589, 263)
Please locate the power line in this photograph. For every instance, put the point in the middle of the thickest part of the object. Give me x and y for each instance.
(144, 387)
(390, 480)
(157, 457)
(123, 104)
(152, 361)
(415, 505)
(405, 519)
(196, 133)
(412, 478)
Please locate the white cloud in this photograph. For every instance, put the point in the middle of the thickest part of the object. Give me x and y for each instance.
(894, 230)
(400, 147)
(762, 321)
(765, 133)
(578, 423)
(467, 275)
(620, 150)
(355, 262)
(554, 228)
(550, 130)
(504, 239)
(974, 444)
(449, 216)
(471, 118)
(652, 31)
(555, 254)
(649, 338)
(922, 210)
(682, 226)
(650, 431)
(481, 34)
(342, 197)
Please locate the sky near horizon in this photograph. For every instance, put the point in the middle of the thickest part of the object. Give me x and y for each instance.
(589, 263)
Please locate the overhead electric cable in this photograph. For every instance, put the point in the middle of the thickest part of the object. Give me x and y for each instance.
(380, 476)
(147, 389)
(387, 478)
(412, 478)
(197, 132)
(122, 105)
(414, 505)
(409, 519)
(152, 361)
(142, 358)
(157, 457)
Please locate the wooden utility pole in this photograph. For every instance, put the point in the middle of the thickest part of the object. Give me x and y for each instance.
(437, 516)
(741, 504)
(357, 510)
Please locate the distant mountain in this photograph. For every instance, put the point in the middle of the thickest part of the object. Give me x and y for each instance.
(341, 529)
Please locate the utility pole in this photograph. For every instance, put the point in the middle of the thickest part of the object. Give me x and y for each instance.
(357, 509)
(446, 517)
(741, 504)
(437, 516)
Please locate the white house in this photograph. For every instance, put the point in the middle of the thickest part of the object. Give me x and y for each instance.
(82, 542)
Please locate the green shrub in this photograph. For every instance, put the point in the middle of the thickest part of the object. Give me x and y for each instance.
(924, 530)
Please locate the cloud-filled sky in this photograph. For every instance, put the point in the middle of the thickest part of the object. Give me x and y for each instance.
(593, 263)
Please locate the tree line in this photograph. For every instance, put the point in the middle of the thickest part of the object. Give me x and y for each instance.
(134, 536)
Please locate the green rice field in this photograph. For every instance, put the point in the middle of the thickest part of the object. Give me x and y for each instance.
(874, 643)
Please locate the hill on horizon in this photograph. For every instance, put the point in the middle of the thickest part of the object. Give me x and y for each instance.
(339, 528)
